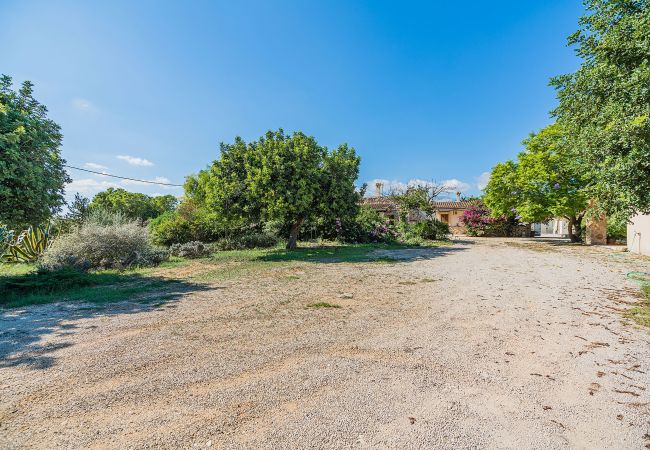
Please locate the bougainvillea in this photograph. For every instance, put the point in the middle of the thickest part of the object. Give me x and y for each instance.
(478, 221)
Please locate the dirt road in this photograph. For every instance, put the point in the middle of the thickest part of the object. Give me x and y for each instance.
(485, 344)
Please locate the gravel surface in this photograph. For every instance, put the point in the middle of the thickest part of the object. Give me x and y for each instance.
(484, 344)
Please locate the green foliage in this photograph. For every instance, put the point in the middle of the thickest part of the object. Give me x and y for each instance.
(78, 210)
(605, 104)
(546, 181)
(188, 223)
(248, 240)
(132, 205)
(368, 226)
(28, 246)
(431, 229)
(286, 178)
(32, 176)
(617, 226)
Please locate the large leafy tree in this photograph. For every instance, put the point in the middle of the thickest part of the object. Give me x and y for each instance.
(605, 104)
(544, 182)
(133, 205)
(285, 178)
(32, 174)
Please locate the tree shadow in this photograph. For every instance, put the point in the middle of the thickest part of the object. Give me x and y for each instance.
(30, 335)
(379, 253)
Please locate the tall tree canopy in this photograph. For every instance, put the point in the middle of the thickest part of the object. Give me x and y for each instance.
(544, 182)
(279, 177)
(605, 104)
(133, 205)
(32, 176)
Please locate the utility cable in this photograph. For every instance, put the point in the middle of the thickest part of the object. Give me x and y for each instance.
(123, 178)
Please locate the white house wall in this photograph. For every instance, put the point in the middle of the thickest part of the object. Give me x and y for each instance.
(638, 235)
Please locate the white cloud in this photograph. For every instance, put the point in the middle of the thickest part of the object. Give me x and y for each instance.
(89, 186)
(95, 166)
(82, 104)
(144, 182)
(388, 187)
(135, 161)
(453, 185)
(482, 180)
(395, 186)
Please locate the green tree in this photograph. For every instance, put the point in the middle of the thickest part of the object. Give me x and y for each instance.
(78, 210)
(32, 176)
(284, 178)
(543, 183)
(133, 205)
(605, 104)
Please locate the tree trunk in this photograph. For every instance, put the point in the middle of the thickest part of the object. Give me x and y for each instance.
(574, 223)
(292, 243)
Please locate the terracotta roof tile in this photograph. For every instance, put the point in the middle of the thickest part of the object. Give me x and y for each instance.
(451, 204)
(389, 202)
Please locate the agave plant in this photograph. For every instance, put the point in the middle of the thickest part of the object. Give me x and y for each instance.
(29, 245)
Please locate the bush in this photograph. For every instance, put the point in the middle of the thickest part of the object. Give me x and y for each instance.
(369, 225)
(251, 240)
(97, 246)
(479, 222)
(431, 229)
(188, 223)
(194, 249)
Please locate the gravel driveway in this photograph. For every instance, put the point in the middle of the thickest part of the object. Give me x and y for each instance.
(484, 344)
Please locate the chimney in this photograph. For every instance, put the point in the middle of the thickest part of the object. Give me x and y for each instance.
(457, 196)
(378, 187)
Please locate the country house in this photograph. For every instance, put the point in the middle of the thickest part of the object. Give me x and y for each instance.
(447, 211)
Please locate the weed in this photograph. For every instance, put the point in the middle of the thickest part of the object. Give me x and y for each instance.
(384, 260)
(323, 305)
(641, 313)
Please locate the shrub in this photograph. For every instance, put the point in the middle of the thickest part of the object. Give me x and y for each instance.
(194, 249)
(188, 223)
(431, 229)
(479, 222)
(98, 246)
(250, 240)
(369, 225)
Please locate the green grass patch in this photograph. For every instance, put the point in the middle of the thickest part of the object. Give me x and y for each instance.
(352, 253)
(323, 305)
(641, 313)
(36, 288)
(9, 269)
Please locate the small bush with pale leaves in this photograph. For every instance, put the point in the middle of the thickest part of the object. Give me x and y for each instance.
(119, 245)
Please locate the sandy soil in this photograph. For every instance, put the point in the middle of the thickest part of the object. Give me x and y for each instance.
(485, 344)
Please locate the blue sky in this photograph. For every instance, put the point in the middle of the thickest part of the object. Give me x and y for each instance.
(425, 90)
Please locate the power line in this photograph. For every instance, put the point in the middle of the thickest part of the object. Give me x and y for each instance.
(123, 178)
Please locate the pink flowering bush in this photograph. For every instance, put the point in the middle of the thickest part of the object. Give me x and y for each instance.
(478, 221)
